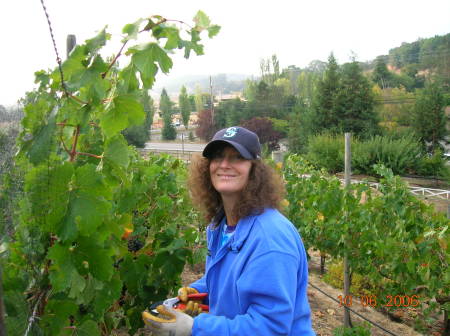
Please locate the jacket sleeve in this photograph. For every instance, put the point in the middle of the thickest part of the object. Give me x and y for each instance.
(200, 285)
(270, 297)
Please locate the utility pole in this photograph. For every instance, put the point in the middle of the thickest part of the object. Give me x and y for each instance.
(212, 100)
(71, 42)
(347, 181)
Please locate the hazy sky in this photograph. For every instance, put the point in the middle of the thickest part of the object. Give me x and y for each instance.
(297, 31)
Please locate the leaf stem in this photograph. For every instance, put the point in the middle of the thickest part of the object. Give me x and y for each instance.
(64, 145)
(114, 60)
(91, 155)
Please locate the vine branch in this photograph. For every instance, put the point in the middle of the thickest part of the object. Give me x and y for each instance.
(73, 152)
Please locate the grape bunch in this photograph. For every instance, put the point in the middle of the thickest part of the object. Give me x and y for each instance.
(135, 245)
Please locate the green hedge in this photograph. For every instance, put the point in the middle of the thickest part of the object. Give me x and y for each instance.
(403, 155)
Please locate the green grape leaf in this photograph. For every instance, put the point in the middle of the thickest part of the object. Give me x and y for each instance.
(72, 67)
(126, 111)
(42, 78)
(150, 53)
(93, 72)
(107, 295)
(91, 181)
(84, 216)
(116, 151)
(95, 43)
(78, 284)
(57, 315)
(17, 312)
(42, 142)
(98, 258)
(88, 328)
(173, 37)
(128, 82)
(35, 114)
(62, 269)
(201, 20)
(88, 203)
(57, 191)
(131, 30)
(213, 30)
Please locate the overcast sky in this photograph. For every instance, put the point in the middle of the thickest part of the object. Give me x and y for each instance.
(297, 31)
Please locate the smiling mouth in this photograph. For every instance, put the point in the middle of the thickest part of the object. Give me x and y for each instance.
(226, 176)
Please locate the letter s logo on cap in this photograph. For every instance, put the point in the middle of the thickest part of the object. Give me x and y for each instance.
(230, 132)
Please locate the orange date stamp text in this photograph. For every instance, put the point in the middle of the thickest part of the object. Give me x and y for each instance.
(386, 301)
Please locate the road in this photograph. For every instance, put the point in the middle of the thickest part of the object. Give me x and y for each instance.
(169, 146)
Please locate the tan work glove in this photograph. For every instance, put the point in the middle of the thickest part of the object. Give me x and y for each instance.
(170, 322)
(192, 308)
(183, 293)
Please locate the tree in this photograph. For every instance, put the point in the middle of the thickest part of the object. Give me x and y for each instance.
(230, 113)
(263, 127)
(205, 129)
(429, 120)
(138, 135)
(324, 99)
(354, 102)
(301, 126)
(165, 105)
(185, 106)
(381, 74)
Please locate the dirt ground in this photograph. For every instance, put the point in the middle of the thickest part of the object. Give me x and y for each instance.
(328, 314)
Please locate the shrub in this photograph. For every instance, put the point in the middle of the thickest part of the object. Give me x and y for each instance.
(326, 151)
(357, 330)
(396, 154)
(335, 277)
(433, 165)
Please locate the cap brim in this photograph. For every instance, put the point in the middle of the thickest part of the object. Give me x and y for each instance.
(210, 148)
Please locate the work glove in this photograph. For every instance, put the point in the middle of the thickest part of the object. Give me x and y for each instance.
(192, 308)
(169, 322)
(183, 293)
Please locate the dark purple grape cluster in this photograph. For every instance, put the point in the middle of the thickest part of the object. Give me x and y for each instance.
(135, 245)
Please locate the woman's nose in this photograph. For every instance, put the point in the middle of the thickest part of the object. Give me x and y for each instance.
(225, 162)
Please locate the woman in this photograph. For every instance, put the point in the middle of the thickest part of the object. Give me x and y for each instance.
(256, 270)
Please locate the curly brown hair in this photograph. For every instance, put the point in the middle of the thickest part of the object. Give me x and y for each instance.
(265, 189)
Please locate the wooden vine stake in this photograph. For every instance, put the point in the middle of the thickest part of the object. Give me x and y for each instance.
(347, 320)
(2, 307)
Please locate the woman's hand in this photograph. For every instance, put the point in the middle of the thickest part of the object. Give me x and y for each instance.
(183, 293)
(169, 322)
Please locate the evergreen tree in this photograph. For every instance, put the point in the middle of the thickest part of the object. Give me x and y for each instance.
(354, 104)
(301, 126)
(381, 74)
(429, 120)
(185, 106)
(138, 135)
(324, 99)
(165, 105)
(199, 104)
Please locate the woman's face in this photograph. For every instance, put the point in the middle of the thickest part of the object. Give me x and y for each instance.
(229, 172)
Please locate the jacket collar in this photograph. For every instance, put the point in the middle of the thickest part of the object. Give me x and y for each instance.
(244, 226)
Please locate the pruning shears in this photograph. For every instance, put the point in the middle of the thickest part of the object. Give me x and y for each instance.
(176, 303)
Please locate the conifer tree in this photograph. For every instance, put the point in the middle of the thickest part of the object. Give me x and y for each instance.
(354, 102)
(185, 106)
(165, 105)
(324, 102)
(429, 119)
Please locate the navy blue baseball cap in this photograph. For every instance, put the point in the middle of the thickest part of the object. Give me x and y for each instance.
(244, 141)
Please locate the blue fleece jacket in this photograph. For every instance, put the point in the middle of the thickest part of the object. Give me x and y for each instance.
(256, 282)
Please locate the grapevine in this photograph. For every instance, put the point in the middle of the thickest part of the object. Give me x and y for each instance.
(68, 269)
(394, 239)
